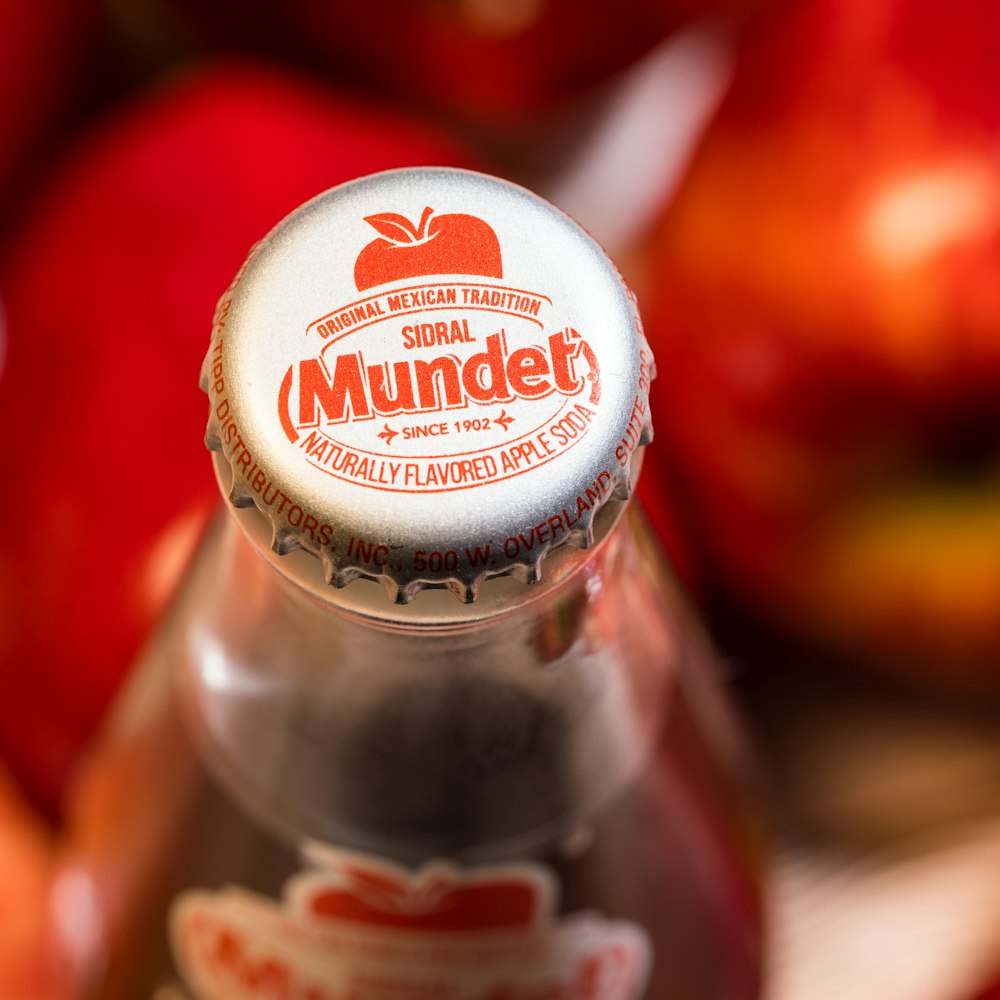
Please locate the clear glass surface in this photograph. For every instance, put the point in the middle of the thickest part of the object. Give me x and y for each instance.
(578, 724)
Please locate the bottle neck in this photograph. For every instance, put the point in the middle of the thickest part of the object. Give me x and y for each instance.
(480, 733)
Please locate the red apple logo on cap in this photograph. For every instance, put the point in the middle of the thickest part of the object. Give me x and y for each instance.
(443, 244)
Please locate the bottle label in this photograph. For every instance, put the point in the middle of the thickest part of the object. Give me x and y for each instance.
(358, 928)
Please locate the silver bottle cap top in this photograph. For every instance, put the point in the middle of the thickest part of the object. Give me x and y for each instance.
(428, 378)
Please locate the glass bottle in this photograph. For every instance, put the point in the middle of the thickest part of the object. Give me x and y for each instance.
(429, 719)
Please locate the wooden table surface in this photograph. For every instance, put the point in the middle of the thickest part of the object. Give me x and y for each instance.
(885, 883)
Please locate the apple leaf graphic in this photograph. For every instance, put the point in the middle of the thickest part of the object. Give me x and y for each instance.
(398, 229)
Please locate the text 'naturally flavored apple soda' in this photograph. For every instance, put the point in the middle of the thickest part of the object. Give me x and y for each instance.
(446, 729)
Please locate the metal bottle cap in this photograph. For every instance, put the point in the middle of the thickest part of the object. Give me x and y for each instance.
(428, 378)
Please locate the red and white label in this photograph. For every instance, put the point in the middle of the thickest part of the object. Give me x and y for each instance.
(425, 384)
(362, 929)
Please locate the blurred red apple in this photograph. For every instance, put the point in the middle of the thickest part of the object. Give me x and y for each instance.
(489, 60)
(991, 992)
(30, 969)
(40, 48)
(825, 309)
(108, 294)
